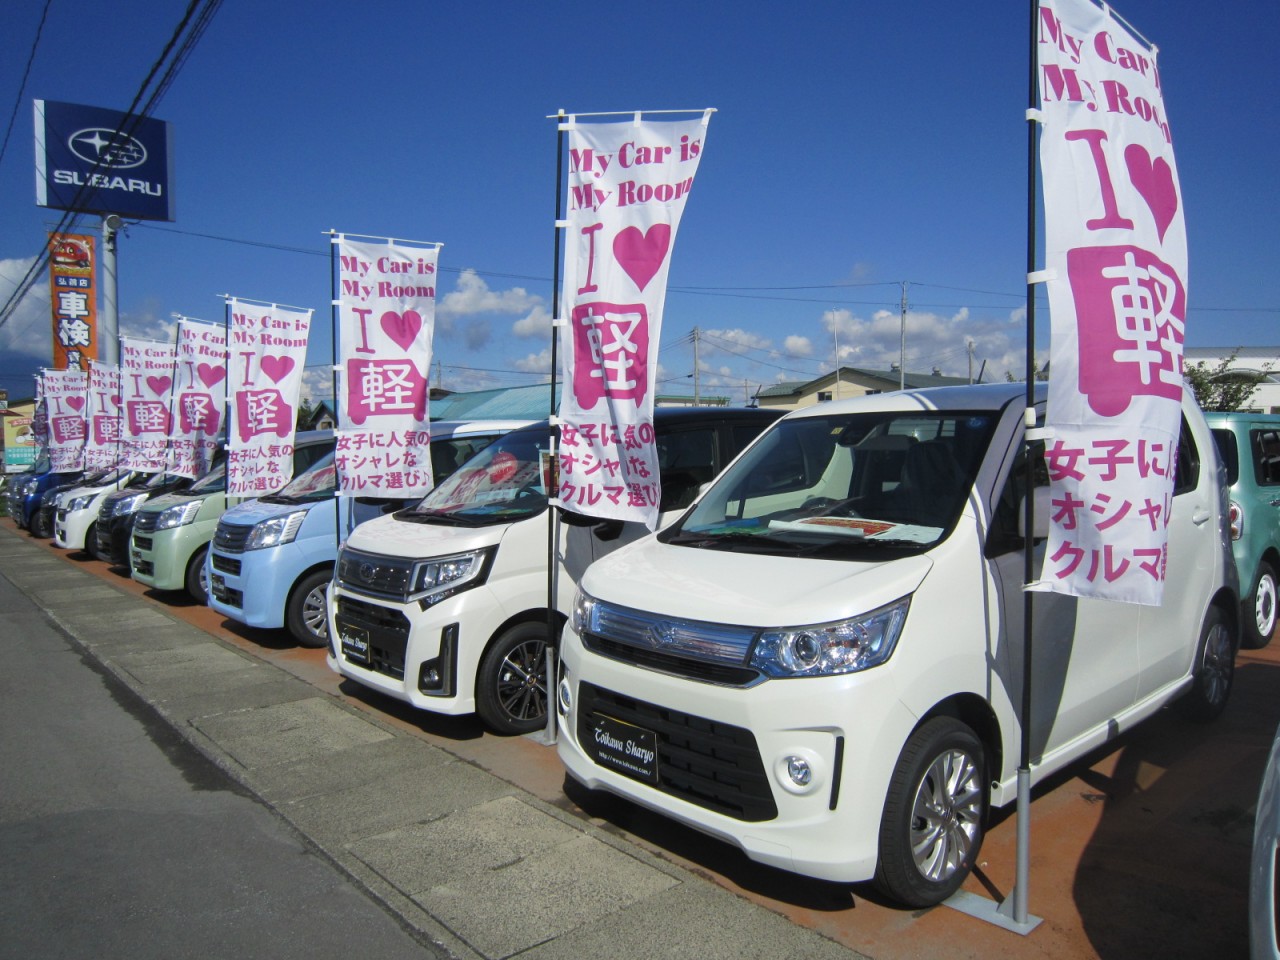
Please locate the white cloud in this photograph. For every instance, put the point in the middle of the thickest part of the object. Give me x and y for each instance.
(798, 346)
(473, 296)
(28, 327)
(536, 324)
(535, 362)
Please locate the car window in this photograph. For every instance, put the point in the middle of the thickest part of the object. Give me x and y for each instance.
(686, 460)
(1187, 475)
(1266, 456)
(1229, 451)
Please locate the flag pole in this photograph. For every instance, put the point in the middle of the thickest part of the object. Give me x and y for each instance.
(553, 510)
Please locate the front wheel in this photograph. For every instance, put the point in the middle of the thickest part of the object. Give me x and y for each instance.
(1260, 609)
(307, 613)
(511, 686)
(934, 816)
(197, 581)
(1213, 672)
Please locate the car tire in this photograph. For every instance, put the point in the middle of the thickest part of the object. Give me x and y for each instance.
(511, 685)
(1260, 609)
(41, 525)
(934, 816)
(1214, 670)
(306, 615)
(197, 581)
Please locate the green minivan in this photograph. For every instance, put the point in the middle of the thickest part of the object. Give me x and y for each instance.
(1249, 444)
(171, 533)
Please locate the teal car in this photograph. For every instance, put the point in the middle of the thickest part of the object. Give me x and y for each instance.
(171, 534)
(1249, 444)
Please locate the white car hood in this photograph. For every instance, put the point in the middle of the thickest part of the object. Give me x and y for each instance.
(748, 589)
(389, 537)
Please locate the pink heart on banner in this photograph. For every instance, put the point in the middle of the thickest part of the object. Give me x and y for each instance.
(209, 374)
(1154, 180)
(402, 328)
(641, 254)
(75, 403)
(158, 385)
(277, 368)
(115, 399)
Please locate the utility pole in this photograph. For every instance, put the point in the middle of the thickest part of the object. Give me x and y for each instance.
(696, 401)
(902, 349)
(835, 337)
(970, 346)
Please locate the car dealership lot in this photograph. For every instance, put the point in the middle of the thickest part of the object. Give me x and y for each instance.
(1141, 850)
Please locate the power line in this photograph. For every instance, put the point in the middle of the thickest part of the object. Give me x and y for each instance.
(26, 74)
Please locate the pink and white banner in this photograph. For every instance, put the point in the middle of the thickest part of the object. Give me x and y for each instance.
(386, 316)
(65, 398)
(146, 382)
(199, 396)
(103, 447)
(266, 355)
(1116, 268)
(628, 184)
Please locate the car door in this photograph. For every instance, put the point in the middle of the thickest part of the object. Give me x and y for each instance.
(1084, 651)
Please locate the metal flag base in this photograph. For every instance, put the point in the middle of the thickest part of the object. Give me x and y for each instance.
(1011, 913)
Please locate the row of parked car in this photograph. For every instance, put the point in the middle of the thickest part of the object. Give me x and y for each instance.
(818, 657)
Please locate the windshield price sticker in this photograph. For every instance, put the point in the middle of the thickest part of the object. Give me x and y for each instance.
(628, 749)
(355, 643)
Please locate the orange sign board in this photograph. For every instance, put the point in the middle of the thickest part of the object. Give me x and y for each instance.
(74, 300)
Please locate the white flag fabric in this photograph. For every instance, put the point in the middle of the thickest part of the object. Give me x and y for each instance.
(65, 397)
(103, 447)
(146, 386)
(628, 184)
(1116, 261)
(387, 309)
(267, 351)
(199, 396)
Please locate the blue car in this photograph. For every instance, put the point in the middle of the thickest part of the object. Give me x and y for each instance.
(272, 558)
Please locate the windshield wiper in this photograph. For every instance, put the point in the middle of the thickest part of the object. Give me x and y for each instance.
(731, 541)
(441, 516)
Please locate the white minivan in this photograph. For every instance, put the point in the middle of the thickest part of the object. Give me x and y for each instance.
(821, 661)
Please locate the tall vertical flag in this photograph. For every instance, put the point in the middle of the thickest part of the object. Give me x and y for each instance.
(628, 184)
(74, 300)
(386, 301)
(1116, 269)
(103, 446)
(65, 394)
(146, 382)
(267, 350)
(199, 396)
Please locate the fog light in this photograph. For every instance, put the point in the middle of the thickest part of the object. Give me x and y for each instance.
(799, 772)
(565, 698)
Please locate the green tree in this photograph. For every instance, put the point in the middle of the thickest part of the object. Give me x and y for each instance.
(1219, 387)
(305, 412)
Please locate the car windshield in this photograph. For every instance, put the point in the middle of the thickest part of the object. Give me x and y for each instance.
(504, 482)
(211, 482)
(843, 486)
(317, 483)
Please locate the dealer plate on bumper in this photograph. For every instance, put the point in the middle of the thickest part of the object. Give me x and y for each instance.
(355, 643)
(623, 747)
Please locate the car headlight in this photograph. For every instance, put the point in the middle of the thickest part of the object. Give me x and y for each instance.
(433, 580)
(274, 532)
(49, 498)
(178, 515)
(580, 615)
(127, 505)
(82, 502)
(829, 649)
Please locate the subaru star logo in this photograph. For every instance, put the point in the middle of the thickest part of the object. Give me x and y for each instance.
(101, 145)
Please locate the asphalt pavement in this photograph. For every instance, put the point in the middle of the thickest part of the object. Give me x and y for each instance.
(467, 861)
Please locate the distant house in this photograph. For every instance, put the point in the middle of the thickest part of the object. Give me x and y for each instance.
(1258, 361)
(322, 417)
(844, 383)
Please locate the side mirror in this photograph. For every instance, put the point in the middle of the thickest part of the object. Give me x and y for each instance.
(1041, 519)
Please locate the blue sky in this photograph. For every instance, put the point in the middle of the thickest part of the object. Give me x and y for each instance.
(855, 146)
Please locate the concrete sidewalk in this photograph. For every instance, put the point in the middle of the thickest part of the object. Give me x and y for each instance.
(475, 864)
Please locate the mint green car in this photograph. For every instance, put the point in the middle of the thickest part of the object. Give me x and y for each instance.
(1249, 444)
(171, 534)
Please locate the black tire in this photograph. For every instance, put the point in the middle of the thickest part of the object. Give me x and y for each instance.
(1214, 670)
(934, 816)
(1259, 609)
(306, 614)
(197, 582)
(41, 525)
(511, 685)
(91, 541)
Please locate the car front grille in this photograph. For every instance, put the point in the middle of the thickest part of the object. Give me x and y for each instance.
(387, 629)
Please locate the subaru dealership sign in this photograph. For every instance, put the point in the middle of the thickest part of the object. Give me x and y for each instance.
(103, 161)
